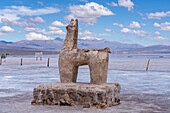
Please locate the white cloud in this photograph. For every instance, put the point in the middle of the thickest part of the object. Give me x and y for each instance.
(41, 3)
(90, 38)
(80, 28)
(126, 3)
(27, 11)
(25, 23)
(34, 20)
(83, 0)
(105, 34)
(157, 32)
(56, 32)
(16, 23)
(35, 36)
(137, 32)
(143, 24)
(158, 15)
(108, 30)
(158, 38)
(163, 26)
(125, 30)
(57, 23)
(166, 23)
(88, 12)
(156, 25)
(32, 29)
(134, 25)
(144, 18)
(53, 28)
(112, 4)
(21, 32)
(89, 24)
(14, 12)
(6, 29)
(87, 33)
(11, 17)
(141, 14)
(117, 24)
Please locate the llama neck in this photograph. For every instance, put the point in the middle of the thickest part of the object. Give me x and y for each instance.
(70, 42)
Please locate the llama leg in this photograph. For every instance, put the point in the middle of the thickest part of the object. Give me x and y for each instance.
(98, 72)
(95, 73)
(98, 68)
(75, 72)
(65, 75)
(65, 69)
(104, 66)
(103, 58)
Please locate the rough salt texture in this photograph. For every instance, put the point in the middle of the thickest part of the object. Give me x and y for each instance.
(71, 58)
(77, 94)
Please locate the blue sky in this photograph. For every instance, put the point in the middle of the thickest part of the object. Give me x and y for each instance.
(145, 22)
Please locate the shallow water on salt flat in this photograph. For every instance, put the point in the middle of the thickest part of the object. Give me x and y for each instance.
(129, 72)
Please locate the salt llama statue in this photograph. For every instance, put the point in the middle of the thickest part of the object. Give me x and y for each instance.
(98, 93)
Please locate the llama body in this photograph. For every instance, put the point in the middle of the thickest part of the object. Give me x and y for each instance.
(71, 58)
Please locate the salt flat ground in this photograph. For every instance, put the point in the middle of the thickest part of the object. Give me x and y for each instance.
(141, 91)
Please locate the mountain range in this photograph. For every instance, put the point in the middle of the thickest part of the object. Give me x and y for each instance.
(156, 49)
(56, 45)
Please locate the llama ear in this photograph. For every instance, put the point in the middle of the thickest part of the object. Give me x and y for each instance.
(72, 20)
(77, 21)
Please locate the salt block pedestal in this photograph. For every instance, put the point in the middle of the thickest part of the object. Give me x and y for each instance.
(77, 94)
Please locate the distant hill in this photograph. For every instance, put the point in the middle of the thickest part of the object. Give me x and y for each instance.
(9, 48)
(4, 43)
(146, 50)
(56, 45)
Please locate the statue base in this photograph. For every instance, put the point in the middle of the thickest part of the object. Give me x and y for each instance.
(77, 94)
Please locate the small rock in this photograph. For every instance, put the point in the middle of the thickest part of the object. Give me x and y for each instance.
(86, 106)
(33, 102)
(64, 103)
(102, 105)
(39, 101)
(49, 102)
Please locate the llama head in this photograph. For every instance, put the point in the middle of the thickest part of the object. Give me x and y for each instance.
(70, 41)
(73, 26)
